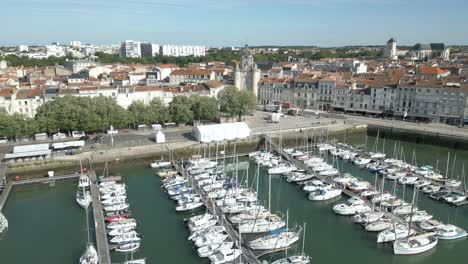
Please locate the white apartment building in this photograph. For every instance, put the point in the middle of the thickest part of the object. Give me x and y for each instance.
(23, 48)
(191, 76)
(182, 50)
(78, 65)
(130, 49)
(75, 44)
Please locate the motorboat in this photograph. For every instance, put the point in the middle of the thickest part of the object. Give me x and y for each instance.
(299, 177)
(209, 250)
(83, 198)
(135, 261)
(131, 236)
(392, 202)
(90, 256)
(313, 185)
(261, 225)
(122, 223)
(120, 231)
(452, 183)
(127, 247)
(210, 239)
(450, 232)
(431, 189)
(204, 226)
(189, 206)
(415, 244)
(429, 225)
(274, 241)
(422, 183)
(297, 259)
(377, 155)
(369, 193)
(330, 172)
(418, 216)
(362, 162)
(455, 198)
(324, 194)
(439, 195)
(382, 197)
(225, 255)
(393, 233)
(199, 219)
(160, 164)
(116, 207)
(113, 195)
(351, 207)
(114, 200)
(359, 186)
(345, 179)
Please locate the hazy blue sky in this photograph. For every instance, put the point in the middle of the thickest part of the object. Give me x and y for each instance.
(232, 23)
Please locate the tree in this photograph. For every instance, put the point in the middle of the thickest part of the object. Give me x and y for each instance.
(16, 125)
(139, 113)
(235, 103)
(180, 110)
(157, 107)
(204, 108)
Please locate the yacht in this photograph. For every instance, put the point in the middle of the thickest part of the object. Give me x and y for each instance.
(431, 189)
(324, 194)
(90, 256)
(262, 225)
(135, 261)
(415, 244)
(404, 209)
(439, 195)
(298, 259)
(249, 215)
(208, 224)
(379, 225)
(3, 223)
(281, 169)
(210, 230)
(275, 241)
(345, 179)
(225, 256)
(199, 219)
(452, 183)
(299, 177)
(160, 164)
(113, 195)
(313, 185)
(351, 207)
(114, 200)
(422, 183)
(120, 231)
(359, 186)
(450, 232)
(330, 172)
(209, 250)
(393, 233)
(362, 161)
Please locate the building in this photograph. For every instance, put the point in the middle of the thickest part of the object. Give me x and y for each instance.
(181, 50)
(247, 75)
(391, 50)
(191, 76)
(78, 65)
(130, 49)
(23, 48)
(75, 44)
(149, 49)
(432, 50)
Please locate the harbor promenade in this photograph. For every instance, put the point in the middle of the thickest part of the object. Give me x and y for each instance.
(100, 227)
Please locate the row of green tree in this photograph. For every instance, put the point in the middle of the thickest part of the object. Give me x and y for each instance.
(97, 114)
(15, 61)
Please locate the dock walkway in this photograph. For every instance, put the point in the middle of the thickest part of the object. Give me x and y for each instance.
(248, 256)
(5, 194)
(100, 227)
(301, 165)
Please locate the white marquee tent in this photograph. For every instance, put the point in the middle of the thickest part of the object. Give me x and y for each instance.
(220, 132)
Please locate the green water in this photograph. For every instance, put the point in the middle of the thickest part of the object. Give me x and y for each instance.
(46, 225)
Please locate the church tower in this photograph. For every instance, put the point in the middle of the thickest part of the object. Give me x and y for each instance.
(247, 75)
(391, 50)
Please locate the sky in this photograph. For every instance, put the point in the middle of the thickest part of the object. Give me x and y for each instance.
(325, 23)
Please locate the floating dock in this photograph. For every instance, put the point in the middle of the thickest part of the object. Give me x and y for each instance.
(248, 256)
(100, 227)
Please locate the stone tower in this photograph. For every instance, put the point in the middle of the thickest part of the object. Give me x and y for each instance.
(247, 75)
(391, 50)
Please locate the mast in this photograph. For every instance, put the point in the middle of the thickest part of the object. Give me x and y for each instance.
(411, 213)
(448, 163)
(269, 193)
(303, 238)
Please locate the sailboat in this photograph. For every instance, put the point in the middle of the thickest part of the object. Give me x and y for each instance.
(296, 259)
(83, 198)
(90, 256)
(412, 245)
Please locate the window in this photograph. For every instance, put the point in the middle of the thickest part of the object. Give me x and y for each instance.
(428, 90)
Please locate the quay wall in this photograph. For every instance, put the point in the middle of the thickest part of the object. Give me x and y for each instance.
(420, 136)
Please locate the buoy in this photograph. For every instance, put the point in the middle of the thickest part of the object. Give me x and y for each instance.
(17, 178)
(85, 169)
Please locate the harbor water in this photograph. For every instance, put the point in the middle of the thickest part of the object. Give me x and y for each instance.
(47, 226)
